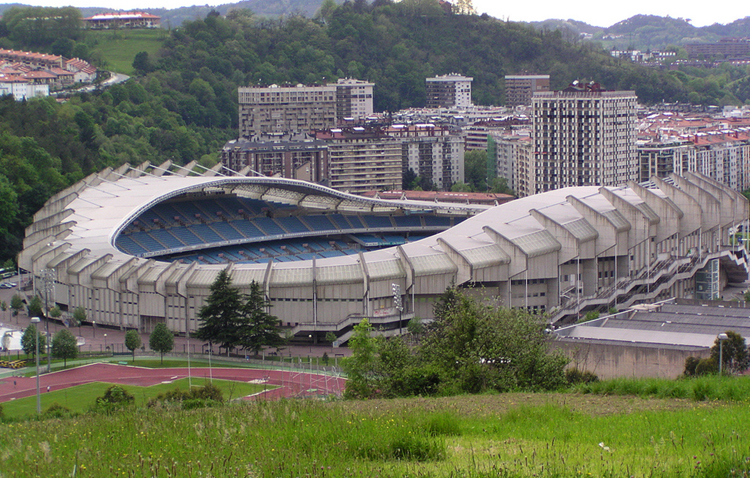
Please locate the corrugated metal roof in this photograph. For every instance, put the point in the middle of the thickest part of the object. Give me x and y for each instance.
(642, 336)
(291, 277)
(537, 243)
(245, 277)
(486, 256)
(618, 220)
(202, 277)
(385, 270)
(432, 265)
(581, 230)
(343, 274)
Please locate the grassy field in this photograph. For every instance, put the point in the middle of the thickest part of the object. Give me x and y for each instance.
(476, 436)
(81, 398)
(119, 47)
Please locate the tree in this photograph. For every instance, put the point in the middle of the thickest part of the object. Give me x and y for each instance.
(360, 366)
(220, 319)
(3, 306)
(142, 63)
(259, 328)
(79, 315)
(64, 346)
(16, 303)
(734, 357)
(35, 308)
(161, 340)
(132, 341)
(29, 338)
(55, 312)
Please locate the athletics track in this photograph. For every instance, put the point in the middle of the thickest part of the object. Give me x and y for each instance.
(290, 383)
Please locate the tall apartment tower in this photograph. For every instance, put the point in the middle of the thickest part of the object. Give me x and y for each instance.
(582, 136)
(520, 88)
(362, 159)
(431, 151)
(353, 99)
(294, 109)
(449, 91)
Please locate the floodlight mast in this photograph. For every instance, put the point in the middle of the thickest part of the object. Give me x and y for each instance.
(35, 320)
(721, 337)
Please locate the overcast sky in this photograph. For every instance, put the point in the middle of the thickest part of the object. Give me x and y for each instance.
(601, 14)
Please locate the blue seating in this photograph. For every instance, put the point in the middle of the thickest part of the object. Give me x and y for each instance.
(378, 221)
(435, 221)
(186, 236)
(164, 236)
(247, 229)
(147, 242)
(266, 224)
(226, 231)
(292, 224)
(188, 210)
(356, 222)
(320, 223)
(129, 245)
(407, 221)
(205, 232)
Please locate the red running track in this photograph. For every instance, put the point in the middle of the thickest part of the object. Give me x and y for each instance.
(290, 383)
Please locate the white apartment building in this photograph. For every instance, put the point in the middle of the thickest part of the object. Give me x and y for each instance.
(449, 91)
(353, 99)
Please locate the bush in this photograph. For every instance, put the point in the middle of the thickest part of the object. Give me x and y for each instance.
(207, 396)
(56, 411)
(706, 366)
(115, 397)
(574, 376)
(690, 365)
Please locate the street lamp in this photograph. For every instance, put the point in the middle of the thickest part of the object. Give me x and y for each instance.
(93, 324)
(105, 342)
(722, 337)
(35, 320)
(396, 289)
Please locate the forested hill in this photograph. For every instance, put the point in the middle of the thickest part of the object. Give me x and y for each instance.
(182, 104)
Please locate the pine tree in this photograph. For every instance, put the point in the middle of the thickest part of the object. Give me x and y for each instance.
(221, 316)
(259, 328)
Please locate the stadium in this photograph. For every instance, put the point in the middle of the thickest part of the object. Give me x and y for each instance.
(141, 245)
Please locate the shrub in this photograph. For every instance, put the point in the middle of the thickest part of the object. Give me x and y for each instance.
(207, 396)
(575, 375)
(690, 365)
(706, 366)
(56, 411)
(115, 397)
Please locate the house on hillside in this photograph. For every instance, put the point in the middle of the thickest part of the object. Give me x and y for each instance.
(111, 21)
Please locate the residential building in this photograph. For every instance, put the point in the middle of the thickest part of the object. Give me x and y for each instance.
(114, 20)
(726, 48)
(431, 151)
(520, 88)
(21, 88)
(449, 91)
(362, 159)
(279, 155)
(30, 58)
(353, 99)
(277, 109)
(582, 136)
(512, 151)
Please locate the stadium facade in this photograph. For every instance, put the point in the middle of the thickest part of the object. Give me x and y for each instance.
(141, 245)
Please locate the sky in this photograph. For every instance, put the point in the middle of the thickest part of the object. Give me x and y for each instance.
(595, 13)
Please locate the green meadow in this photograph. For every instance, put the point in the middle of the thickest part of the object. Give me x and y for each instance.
(508, 435)
(119, 47)
(81, 398)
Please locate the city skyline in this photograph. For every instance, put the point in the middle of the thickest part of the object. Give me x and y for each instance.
(698, 15)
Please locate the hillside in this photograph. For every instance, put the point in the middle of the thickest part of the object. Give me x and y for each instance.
(502, 435)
